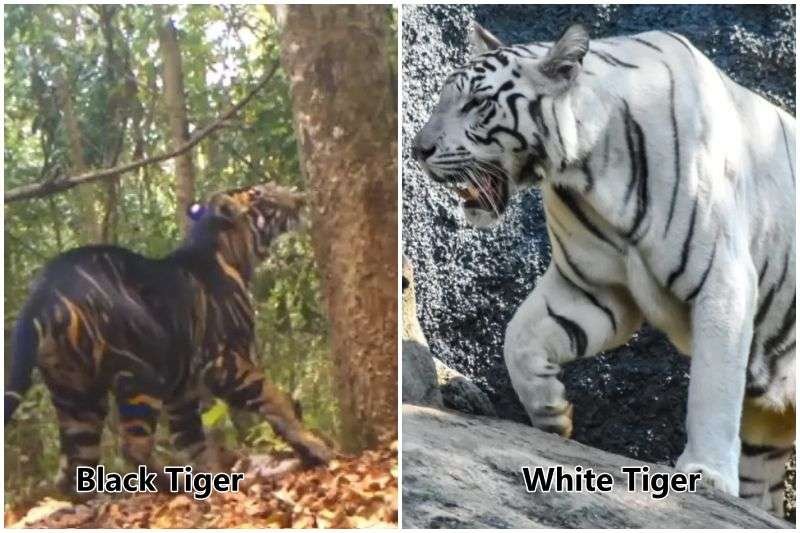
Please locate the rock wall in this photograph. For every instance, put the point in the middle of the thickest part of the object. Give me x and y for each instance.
(630, 401)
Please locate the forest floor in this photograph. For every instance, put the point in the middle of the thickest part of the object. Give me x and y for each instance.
(349, 492)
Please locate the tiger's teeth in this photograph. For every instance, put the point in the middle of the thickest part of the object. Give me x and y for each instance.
(470, 193)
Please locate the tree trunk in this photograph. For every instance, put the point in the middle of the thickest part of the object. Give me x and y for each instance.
(119, 106)
(89, 219)
(346, 125)
(178, 122)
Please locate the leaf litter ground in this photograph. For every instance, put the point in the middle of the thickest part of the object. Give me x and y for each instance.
(349, 492)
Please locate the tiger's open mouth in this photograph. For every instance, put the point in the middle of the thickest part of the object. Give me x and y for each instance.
(488, 192)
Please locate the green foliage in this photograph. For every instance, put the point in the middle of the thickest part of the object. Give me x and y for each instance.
(113, 79)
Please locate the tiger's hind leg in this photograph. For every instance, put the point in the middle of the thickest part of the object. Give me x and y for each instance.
(242, 386)
(767, 442)
(80, 425)
(139, 403)
(188, 436)
(558, 322)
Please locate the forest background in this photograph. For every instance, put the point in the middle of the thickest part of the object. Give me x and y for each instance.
(92, 87)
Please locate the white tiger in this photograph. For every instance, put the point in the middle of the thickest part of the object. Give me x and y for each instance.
(669, 195)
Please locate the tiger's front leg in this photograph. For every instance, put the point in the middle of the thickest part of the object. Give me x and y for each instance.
(243, 386)
(558, 322)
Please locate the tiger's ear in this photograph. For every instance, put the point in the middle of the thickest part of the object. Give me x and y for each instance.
(564, 60)
(481, 40)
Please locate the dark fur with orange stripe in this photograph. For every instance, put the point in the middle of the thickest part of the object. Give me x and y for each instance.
(155, 331)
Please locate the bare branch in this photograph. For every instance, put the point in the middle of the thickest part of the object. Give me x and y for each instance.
(42, 189)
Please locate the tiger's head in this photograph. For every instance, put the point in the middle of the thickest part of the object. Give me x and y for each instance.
(242, 223)
(486, 138)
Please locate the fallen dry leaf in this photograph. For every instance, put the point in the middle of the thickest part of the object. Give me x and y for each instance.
(349, 492)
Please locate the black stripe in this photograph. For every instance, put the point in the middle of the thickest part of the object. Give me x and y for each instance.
(489, 138)
(751, 450)
(750, 479)
(783, 333)
(469, 106)
(569, 260)
(576, 334)
(753, 391)
(647, 43)
(512, 106)
(588, 172)
(777, 486)
(489, 116)
(776, 358)
(680, 40)
(784, 271)
(474, 80)
(239, 397)
(535, 110)
(786, 144)
(139, 430)
(589, 296)
(763, 271)
(699, 287)
(550, 428)
(568, 199)
(547, 412)
(507, 86)
(631, 151)
(687, 244)
(676, 147)
(763, 308)
(642, 196)
(518, 51)
(611, 60)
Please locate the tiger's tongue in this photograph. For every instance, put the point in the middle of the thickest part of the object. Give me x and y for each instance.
(470, 193)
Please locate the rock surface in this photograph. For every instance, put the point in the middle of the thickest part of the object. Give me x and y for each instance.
(469, 282)
(419, 375)
(460, 394)
(464, 471)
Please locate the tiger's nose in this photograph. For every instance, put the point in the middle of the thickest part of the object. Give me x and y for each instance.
(421, 153)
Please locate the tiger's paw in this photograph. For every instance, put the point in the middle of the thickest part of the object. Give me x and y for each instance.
(710, 477)
(313, 451)
(554, 419)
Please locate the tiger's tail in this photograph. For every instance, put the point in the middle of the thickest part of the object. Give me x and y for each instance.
(25, 347)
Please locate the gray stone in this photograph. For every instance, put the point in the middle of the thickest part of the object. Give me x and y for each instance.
(464, 471)
(460, 394)
(419, 375)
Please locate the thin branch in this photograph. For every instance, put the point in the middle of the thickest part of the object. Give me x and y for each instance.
(41, 189)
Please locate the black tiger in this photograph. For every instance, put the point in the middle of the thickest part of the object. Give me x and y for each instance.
(157, 332)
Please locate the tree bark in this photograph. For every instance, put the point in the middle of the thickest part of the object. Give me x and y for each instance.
(177, 118)
(346, 125)
(89, 216)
